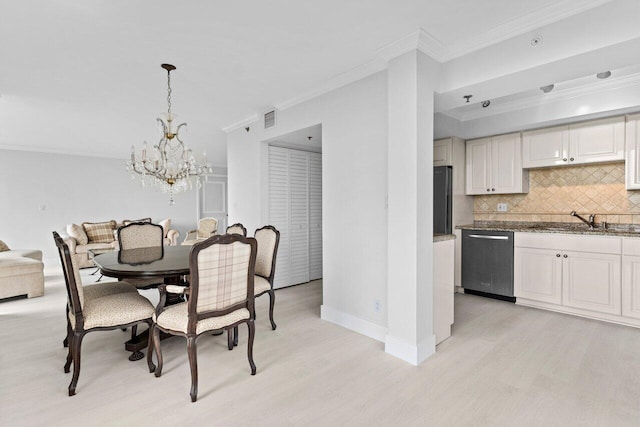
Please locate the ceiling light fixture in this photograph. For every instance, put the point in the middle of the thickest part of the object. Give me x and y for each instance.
(172, 165)
(547, 89)
(604, 75)
(486, 103)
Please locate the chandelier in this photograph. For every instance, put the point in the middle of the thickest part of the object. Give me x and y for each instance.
(170, 166)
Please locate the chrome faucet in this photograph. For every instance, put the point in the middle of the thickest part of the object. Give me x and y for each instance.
(592, 218)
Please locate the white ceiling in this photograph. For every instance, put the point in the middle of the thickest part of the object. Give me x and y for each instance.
(84, 76)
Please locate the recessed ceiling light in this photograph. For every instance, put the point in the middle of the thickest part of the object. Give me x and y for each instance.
(604, 75)
(547, 89)
(536, 40)
(486, 103)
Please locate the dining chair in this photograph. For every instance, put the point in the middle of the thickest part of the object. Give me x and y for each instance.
(268, 238)
(96, 308)
(207, 227)
(138, 235)
(220, 296)
(237, 228)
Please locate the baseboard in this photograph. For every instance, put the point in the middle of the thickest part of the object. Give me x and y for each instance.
(356, 324)
(409, 352)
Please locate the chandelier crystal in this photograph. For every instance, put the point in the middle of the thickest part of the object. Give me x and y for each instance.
(170, 166)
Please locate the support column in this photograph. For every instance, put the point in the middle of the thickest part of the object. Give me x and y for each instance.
(411, 81)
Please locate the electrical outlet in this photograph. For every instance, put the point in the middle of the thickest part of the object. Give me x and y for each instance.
(377, 306)
(502, 207)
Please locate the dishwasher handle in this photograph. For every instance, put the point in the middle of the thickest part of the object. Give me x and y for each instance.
(487, 237)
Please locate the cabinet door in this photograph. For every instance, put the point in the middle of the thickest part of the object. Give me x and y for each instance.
(478, 160)
(632, 161)
(545, 147)
(631, 286)
(299, 216)
(591, 281)
(278, 206)
(538, 274)
(597, 141)
(442, 152)
(506, 164)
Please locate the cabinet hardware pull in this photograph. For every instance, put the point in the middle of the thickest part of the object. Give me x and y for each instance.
(571, 159)
(564, 160)
(488, 189)
(565, 256)
(493, 189)
(558, 255)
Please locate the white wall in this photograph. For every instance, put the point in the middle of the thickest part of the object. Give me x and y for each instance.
(354, 150)
(74, 189)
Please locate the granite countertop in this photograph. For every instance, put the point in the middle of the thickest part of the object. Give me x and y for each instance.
(632, 230)
(443, 237)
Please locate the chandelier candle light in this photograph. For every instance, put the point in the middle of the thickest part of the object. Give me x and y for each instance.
(171, 165)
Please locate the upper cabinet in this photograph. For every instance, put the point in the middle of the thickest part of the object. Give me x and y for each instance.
(632, 163)
(442, 149)
(494, 166)
(589, 142)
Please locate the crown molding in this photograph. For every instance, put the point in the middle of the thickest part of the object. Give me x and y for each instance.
(548, 98)
(241, 123)
(420, 40)
(555, 12)
(69, 152)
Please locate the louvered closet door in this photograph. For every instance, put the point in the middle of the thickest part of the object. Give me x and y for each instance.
(279, 210)
(315, 216)
(299, 216)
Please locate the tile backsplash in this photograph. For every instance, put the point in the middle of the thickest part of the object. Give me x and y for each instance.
(554, 192)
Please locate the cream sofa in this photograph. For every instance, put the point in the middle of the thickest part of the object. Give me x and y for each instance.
(21, 272)
(102, 236)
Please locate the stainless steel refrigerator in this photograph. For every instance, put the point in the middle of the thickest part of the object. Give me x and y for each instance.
(442, 200)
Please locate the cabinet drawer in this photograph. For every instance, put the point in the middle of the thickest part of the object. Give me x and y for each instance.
(569, 242)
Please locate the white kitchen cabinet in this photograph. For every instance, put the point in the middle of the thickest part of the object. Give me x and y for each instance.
(494, 166)
(594, 141)
(591, 281)
(442, 152)
(571, 273)
(545, 147)
(632, 160)
(631, 278)
(538, 274)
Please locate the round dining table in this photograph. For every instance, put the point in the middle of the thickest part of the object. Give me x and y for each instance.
(170, 263)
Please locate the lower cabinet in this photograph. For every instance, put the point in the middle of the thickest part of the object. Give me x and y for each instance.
(591, 281)
(576, 274)
(631, 286)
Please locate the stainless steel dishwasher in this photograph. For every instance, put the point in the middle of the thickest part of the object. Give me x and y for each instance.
(487, 263)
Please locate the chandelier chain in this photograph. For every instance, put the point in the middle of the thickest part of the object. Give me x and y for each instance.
(169, 90)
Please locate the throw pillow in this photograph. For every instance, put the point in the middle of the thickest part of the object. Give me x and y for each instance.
(129, 221)
(99, 232)
(77, 232)
(3, 246)
(166, 226)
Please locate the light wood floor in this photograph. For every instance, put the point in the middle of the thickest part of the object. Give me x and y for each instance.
(504, 366)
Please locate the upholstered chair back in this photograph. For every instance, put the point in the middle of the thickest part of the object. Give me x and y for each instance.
(140, 235)
(237, 228)
(71, 272)
(224, 274)
(268, 238)
(207, 227)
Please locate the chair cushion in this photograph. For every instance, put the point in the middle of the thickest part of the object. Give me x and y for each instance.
(260, 285)
(78, 233)
(99, 232)
(114, 310)
(3, 246)
(103, 289)
(175, 318)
